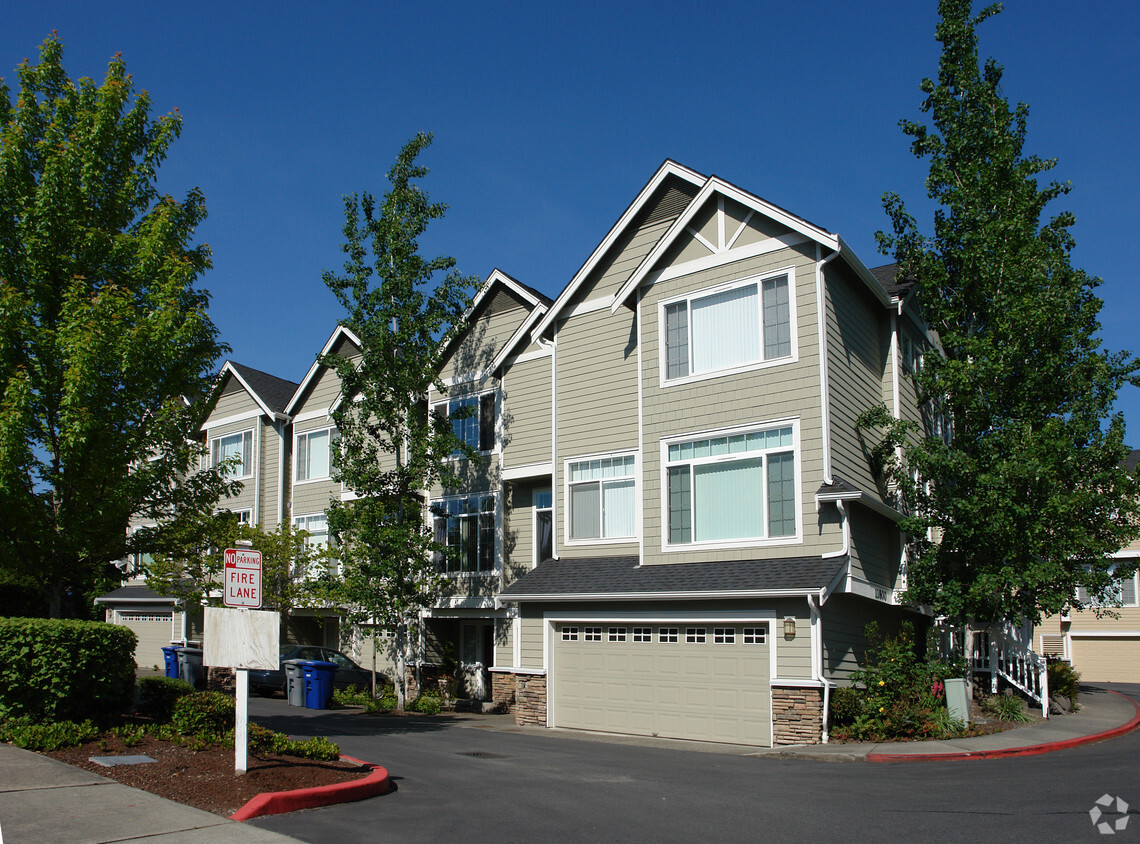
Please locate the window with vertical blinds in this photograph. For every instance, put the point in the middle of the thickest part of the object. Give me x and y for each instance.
(742, 325)
(738, 486)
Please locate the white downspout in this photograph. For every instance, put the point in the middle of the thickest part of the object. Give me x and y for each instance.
(554, 515)
(845, 527)
(282, 473)
(824, 389)
(817, 661)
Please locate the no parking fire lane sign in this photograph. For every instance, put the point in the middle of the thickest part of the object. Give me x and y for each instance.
(242, 578)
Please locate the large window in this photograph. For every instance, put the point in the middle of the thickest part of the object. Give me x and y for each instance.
(314, 454)
(1122, 593)
(736, 327)
(739, 486)
(472, 420)
(602, 499)
(318, 527)
(466, 526)
(238, 445)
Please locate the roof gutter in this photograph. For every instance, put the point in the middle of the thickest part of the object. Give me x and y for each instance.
(663, 596)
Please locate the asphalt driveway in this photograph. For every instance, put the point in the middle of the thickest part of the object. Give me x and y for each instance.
(464, 778)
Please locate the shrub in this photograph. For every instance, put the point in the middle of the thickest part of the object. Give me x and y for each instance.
(352, 696)
(897, 694)
(157, 696)
(59, 670)
(427, 702)
(129, 734)
(204, 715)
(42, 737)
(1007, 708)
(264, 740)
(1064, 680)
(846, 705)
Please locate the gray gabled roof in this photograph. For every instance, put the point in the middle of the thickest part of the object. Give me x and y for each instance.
(610, 578)
(134, 593)
(887, 275)
(1132, 459)
(274, 391)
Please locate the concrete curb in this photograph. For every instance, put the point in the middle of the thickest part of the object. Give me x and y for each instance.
(280, 802)
(1031, 750)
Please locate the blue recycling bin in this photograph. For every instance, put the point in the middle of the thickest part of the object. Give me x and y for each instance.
(170, 657)
(318, 683)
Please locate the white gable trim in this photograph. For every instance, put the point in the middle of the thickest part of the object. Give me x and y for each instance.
(228, 368)
(669, 168)
(715, 186)
(339, 332)
(522, 331)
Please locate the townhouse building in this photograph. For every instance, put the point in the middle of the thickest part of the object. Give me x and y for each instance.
(673, 528)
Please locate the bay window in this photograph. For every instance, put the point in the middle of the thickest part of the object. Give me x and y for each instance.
(601, 496)
(736, 486)
(743, 325)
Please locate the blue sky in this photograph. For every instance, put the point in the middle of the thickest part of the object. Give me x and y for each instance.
(548, 118)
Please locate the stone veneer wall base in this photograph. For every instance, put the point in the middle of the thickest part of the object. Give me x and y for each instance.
(797, 716)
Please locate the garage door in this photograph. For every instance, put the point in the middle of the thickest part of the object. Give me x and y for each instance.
(704, 682)
(1107, 659)
(155, 630)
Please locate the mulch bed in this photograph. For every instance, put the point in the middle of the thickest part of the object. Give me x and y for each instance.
(206, 779)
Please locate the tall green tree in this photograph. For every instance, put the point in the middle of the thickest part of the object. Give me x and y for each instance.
(404, 308)
(103, 334)
(1028, 498)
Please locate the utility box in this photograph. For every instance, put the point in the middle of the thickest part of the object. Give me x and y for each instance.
(958, 699)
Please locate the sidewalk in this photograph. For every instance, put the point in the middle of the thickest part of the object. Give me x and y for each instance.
(44, 800)
(1103, 714)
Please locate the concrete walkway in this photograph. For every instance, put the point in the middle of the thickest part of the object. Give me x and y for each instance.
(1102, 714)
(42, 800)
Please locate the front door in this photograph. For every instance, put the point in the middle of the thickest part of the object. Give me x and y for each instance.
(475, 659)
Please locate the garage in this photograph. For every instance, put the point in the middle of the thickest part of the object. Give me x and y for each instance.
(155, 629)
(693, 680)
(1107, 659)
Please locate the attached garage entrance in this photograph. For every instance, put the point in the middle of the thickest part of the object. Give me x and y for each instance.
(1107, 659)
(702, 681)
(155, 629)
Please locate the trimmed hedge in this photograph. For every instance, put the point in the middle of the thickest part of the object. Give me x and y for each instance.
(157, 696)
(64, 670)
(205, 715)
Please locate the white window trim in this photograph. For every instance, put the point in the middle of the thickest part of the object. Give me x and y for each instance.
(662, 353)
(331, 429)
(762, 542)
(252, 451)
(566, 514)
(496, 558)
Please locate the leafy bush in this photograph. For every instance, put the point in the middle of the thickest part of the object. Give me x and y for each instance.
(1006, 708)
(896, 694)
(204, 715)
(157, 696)
(129, 734)
(59, 670)
(352, 696)
(1064, 680)
(22, 732)
(427, 702)
(264, 740)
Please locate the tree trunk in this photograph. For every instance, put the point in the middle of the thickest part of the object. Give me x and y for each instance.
(401, 667)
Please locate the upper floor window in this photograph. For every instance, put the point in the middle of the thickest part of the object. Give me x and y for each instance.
(314, 454)
(317, 526)
(601, 498)
(466, 526)
(238, 445)
(473, 420)
(1122, 593)
(738, 486)
(740, 326)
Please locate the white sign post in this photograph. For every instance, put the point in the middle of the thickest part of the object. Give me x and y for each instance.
(242, 638)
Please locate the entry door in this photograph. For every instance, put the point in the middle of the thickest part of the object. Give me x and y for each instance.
(475, 659)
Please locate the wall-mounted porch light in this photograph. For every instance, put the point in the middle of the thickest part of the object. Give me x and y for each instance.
(789, 627)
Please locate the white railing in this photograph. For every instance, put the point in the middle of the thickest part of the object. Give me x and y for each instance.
(1002, 652)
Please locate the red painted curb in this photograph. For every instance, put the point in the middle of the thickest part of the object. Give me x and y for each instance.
(1031, 750)
(279, 802)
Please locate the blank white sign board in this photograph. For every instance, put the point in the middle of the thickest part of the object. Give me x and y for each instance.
(240, 638)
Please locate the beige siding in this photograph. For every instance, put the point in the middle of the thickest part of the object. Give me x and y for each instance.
(504, 642)
(311, 496)
(272, 444)
(321, 394)
(526, 409)
(875, 549)
(518, 532)
(856, 328)
(475, 351)
(845, 618)
(531, 624)
(246, 498)
(784, 390)
(232, 403)
(622, 259)
(357, 642)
